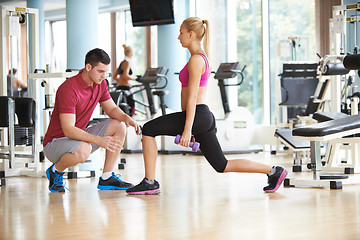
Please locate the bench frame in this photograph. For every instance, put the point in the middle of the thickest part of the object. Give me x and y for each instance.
(336, 142)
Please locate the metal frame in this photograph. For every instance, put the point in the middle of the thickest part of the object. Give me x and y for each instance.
(30, 163)
(300, 155)
(331, 153)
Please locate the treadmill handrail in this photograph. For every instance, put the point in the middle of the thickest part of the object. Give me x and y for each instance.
(239, 72)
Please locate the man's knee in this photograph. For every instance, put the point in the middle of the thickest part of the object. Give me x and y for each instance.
(83, 152)
(117, 127)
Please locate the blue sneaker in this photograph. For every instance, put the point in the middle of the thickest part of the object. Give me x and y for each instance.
(113, 183)
(56, 180)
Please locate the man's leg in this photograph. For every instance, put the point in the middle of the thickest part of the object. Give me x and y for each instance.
(108, 180)
(116, 129)
(64, 153)
(80, 155)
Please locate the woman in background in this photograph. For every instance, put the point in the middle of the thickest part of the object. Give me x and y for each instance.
(122, 76)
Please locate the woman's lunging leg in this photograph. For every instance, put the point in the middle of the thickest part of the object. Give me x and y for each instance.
(150, 153)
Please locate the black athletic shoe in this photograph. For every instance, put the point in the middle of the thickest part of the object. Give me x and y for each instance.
(275, 180)
(113, 183)
(56, 180)
(145, 188)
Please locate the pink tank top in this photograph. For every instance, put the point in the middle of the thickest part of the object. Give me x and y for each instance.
(184, 74)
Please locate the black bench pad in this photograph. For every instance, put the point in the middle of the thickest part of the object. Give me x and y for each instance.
(329, 127)
(286, 135)
(327, 116)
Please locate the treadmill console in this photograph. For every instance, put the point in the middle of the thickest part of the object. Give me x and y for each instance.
(227, 70)
(153, 74)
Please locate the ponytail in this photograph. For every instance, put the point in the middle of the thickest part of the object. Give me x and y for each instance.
(127, 49)
(206, 39)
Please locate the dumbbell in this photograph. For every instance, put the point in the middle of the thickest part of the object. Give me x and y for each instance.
(194, 145)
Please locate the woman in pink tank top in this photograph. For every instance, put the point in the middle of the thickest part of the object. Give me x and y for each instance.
(195, 119)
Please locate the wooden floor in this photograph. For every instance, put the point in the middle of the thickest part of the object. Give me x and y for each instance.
(195, 203)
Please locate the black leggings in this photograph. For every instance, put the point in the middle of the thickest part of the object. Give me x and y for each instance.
(203, 130)
(129, 99)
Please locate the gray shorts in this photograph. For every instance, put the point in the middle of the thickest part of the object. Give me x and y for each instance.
(59, 146)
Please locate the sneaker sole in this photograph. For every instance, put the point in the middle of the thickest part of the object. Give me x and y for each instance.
(149, 192)
(48, 177)
(112, 188)
(280, 180)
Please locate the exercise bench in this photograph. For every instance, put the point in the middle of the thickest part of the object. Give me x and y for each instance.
(338, 133)
(301, 148)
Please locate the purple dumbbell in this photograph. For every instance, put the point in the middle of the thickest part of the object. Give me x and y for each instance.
(194, 145)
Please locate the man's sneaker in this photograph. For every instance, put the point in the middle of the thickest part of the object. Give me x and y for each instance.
(145, 188)
(56, 180)
(275, 179)
(113, 183)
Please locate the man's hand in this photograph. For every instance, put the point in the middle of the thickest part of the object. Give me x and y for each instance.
(110, 143)
(130, 122)
(115, 112)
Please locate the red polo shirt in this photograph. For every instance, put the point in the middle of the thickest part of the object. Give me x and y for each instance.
(77, 97)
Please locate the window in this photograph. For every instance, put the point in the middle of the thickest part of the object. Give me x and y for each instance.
(55, 46)
(292, 38)
(104, 32)
(216, 12)
(249, 53)
(133, 37)
(236, 27)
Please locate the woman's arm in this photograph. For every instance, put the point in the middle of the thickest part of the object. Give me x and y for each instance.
(195, 68)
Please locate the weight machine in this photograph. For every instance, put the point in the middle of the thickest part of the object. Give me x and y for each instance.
(22, 159)
(341, 134)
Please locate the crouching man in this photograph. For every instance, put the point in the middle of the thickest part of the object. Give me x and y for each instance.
(68, 141)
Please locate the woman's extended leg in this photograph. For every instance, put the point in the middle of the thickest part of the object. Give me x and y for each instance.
(212, 151)
(244, 165)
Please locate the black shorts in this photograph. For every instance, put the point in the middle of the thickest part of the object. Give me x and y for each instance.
(203, 130)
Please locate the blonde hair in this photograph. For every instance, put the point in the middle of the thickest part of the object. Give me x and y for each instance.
(127, 49)
(200, 28)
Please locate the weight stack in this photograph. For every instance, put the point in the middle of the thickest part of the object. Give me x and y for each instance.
(23, 135)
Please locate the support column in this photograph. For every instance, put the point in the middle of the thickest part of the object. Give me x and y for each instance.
(113, 41)
(82, 30)
(171, 54)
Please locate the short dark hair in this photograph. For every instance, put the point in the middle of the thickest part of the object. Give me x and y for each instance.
(96, 55)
